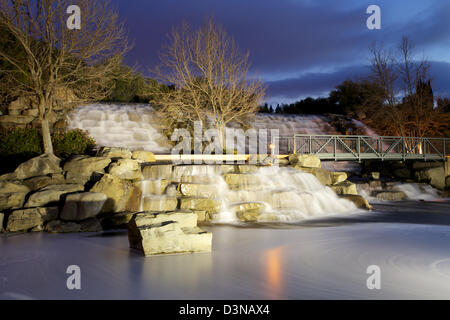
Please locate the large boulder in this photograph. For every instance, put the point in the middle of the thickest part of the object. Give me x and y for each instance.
(126, 169)
(202, 216)
(143, 156)
(12, 200)
(40, 182)
(39, 166)
(375, 175)
(211, 206)
(8, 176)
(198, 190)
(114, 153)
(391, 195)
(86, 179)
(237, 181)
(82, 206)
(117, 220)
(185, 219)
(167, 234)
(249, 211)
(159, 203)
(245, 168)
(85, 165)
(304, 160)
(434, 176)
(158, 171)
(59, 226)
(345, 187)
(51, 194)
(121, 195)
(91, 225)
(13, 186)
(2, 218)
(322, 175)
(337, 177)
(23, 220)
(358, 200)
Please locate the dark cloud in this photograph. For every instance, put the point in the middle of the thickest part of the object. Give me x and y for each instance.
(320, 84)
(287, 38)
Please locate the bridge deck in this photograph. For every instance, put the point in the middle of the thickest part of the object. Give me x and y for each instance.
(357, 148)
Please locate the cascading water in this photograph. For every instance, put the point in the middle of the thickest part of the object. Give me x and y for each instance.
(134, 125)
(412, 191)
(275, 193)
(253, 194)
(281, 194)
(115, 125)
(419, 191)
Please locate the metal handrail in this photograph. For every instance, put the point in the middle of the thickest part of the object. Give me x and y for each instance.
(354, 147)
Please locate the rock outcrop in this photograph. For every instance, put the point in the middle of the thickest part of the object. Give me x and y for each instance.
(175, 232)
(82, 206)
(25, 219)
(81, 168)
(433, 176)
(39, 166)
(143, 156)
(51, 195)
(126, 169)
(304, 160)
(358, 200)
(122, 194)
(345, 187)
(114, 153)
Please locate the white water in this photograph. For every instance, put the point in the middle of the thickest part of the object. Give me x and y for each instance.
(287, 195)
(419, 191)
(115, 125)
(413, 191)
(277, 193)
(134, 125)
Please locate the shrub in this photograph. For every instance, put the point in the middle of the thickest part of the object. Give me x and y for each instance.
(18, 145)
(17, 141)
(73, 142)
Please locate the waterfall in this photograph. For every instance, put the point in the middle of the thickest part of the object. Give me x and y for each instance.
(279, 194)
(134, 126)
(258, 193)
(115, 125)
(419, 191)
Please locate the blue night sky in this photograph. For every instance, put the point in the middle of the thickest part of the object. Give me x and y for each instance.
(299, 47)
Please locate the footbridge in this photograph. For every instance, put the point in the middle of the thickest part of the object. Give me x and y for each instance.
(358, 148)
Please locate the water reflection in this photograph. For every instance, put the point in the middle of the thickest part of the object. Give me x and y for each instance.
(273, 261)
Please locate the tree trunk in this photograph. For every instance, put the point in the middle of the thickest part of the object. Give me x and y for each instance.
(222, 139)
(46, 137)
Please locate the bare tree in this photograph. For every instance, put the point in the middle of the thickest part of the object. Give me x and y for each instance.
(84, 60)
(209, 78)
(408, 97)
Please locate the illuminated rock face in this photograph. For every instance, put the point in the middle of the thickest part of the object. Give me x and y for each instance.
(174, 232)
(82, 206)
(113, 189)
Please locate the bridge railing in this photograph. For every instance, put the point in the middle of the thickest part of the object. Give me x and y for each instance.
(345, 147)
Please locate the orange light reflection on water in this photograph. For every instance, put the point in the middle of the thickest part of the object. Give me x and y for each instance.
(273, 270)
